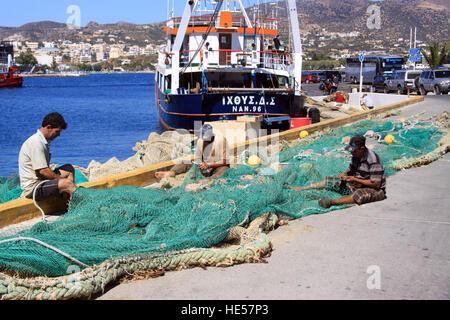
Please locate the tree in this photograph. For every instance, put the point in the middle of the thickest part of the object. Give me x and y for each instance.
(54, 66)
(26, 59)
(436, 57)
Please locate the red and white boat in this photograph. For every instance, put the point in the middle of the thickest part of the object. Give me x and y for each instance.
(10, 78)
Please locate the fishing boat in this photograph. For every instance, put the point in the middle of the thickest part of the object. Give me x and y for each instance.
(8, 76)
(10, 79)
(220, 63)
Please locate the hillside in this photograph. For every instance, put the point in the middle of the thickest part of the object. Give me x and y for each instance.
(431, 17)
(92, 32)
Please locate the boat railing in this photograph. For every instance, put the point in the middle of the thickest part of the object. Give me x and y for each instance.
(237, 22)
(266, 23)
(265, 59)
(270, 59)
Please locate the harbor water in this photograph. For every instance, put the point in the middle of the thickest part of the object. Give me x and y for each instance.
(106, 115)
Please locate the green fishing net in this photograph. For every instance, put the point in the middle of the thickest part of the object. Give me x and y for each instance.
(124, 221)
(10, 186)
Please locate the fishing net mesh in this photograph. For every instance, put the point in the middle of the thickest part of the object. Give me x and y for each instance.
(10, 186)
(125, 221)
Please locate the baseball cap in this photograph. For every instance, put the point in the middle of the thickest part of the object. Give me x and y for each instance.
(356, 142)
(207, 132)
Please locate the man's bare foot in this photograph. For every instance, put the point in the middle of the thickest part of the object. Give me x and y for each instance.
(299, 188)
(164, 174)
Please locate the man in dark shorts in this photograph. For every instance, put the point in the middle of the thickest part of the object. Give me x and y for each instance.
(36, 176)
(363, 182)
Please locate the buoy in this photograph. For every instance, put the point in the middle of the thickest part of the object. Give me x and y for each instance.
(402, 120)
(389, 139)
(254, 161)
(303, 134)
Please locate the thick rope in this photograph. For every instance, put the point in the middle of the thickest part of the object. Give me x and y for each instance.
(94, 279)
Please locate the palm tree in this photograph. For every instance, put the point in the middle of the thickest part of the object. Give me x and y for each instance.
(436, 58)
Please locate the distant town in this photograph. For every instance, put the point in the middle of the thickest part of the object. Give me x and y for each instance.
(103, 51)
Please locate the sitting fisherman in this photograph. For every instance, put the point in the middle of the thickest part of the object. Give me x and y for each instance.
(365, 179)
(36, 176)
(210, 156)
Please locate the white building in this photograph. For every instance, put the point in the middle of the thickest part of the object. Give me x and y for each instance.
(44, 59)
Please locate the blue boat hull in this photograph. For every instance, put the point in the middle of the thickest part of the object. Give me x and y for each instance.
(182, 111)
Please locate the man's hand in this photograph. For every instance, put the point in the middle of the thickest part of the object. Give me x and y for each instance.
(342, 176)
(349, 178)
(203, 166)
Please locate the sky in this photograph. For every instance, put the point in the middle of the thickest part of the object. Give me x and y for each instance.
(101, 11)
(16, 14)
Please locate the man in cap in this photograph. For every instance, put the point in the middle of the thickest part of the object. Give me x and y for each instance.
(367, 102)
(210, 156)
(363, 182)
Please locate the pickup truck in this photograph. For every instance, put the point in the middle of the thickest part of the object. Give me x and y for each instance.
(401, 81)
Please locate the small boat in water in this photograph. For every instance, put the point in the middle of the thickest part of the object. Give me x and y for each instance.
(10, 78)
(220, 63)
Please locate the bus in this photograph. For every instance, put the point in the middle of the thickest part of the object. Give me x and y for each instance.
(373, 65)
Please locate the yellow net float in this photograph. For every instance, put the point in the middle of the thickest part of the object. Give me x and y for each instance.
(389, 139)
(303, 134)
(254, 161)
(402, 120)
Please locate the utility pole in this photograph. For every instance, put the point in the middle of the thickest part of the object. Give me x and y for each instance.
(415, 44)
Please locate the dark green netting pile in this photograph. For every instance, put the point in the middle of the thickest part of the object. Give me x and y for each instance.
(103, 224)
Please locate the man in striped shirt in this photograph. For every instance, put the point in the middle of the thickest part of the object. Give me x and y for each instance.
(363, 182)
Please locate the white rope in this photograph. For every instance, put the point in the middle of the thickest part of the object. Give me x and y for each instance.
(44, 219)
(47, 246)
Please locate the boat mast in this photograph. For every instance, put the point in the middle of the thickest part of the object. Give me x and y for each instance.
(244, 12)
(293, 18)
(188, 10)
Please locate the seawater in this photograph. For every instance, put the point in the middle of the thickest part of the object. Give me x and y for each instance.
(106, 115)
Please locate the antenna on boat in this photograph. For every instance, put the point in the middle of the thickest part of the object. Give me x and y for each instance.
(205, 36)
(297, 54)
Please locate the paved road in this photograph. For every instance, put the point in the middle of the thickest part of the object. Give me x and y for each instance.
(393, 249)
(313, 89)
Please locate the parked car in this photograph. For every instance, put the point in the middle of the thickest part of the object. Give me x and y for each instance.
(379, 82)
(309, 78)
(401, 81)
(437, 81)
(320, 75)
(329, 75)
